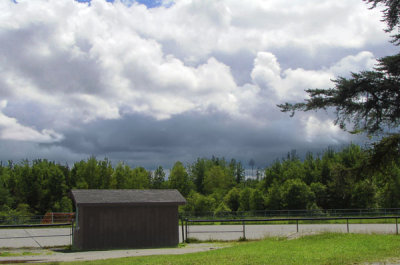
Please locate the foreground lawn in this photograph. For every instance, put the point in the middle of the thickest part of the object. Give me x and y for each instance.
(330, 248)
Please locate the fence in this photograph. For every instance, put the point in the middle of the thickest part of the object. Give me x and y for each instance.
(297, 213)
(20, 231)
(48, 218)
(187, 222)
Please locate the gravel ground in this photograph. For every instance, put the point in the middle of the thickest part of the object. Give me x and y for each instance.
(54, 256)
(234, 232)
(35, 237)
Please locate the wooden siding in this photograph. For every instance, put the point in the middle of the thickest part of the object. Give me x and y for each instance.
(119, 226)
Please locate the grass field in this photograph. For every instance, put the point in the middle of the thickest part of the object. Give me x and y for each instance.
(328, 248)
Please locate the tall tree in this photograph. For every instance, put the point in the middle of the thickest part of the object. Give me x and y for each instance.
(158, 178)
(139, 178)
(197, 172)
(121, 175)
(106, 174)
(390, 15)
(217, 179)
(369, 100)
(237, 171)
(178, 179)
(251, 164)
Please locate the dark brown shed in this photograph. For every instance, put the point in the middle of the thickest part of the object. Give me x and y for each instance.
(108, 219)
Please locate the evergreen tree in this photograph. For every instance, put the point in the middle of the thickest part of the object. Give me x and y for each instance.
(158, 178)
(369, 100)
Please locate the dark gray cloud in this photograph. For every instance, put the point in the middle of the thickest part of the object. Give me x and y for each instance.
(141, 140)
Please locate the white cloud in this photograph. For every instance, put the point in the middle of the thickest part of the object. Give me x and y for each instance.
(84, 63)
(316, 129)
(354, 63)
(289, 84)
(10, 129)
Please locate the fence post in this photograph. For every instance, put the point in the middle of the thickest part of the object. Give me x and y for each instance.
(347, 225)
(244, 230)
(397, 227)
(72, 232)
(52, 217)
(183, 230)
(186, 229)
(297, 225)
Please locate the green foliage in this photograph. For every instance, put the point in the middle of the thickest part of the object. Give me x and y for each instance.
(388, 183)
(217, 179)
(319, 191)
(197, 171)
(369, 100)
(221, 209)
(139, 178)
(64, 206)
(198, 204)
(244, 199)
(232, 199)
(158, 178)
(272, 173)
(256, 200)
(332, 180)
(391, 16)
(384, 153)
(6, 200)
(179, 179)
(106, 179)
(121, 175)
(273, 200)
(296, 195)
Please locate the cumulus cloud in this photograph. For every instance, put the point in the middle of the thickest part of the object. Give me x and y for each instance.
(289, 84)
(10, 129)
(76, 64)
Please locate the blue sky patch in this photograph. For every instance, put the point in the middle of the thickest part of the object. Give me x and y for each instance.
(147, 3)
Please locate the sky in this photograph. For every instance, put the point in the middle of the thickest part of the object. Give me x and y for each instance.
(152, 82)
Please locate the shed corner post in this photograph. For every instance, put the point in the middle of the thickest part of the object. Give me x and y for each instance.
(72, 233)
(183, 230)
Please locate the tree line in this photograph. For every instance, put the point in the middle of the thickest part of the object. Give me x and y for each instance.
(333, 180)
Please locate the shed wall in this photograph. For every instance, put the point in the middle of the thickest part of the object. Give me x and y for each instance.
(105, 227)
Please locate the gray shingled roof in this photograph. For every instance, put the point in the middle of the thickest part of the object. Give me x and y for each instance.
(127, 197)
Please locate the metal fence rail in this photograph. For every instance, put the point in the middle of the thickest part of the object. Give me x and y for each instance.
(49, 218)
(24, 231)
(187, 222)
(298, 213)
(35, 225)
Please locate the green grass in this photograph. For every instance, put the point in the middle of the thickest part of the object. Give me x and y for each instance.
(16, 254)
(328, 248)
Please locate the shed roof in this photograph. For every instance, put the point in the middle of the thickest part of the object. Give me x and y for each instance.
(122, 196)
